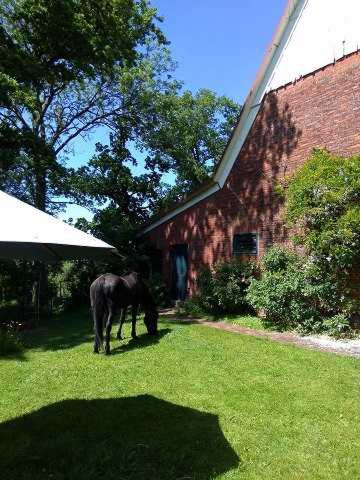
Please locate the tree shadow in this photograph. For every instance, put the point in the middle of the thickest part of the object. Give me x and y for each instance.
(132, 438)
(16, 355)
(142, 341)
(67, 331)
(184, 320)
(11, 346)
(61, 332)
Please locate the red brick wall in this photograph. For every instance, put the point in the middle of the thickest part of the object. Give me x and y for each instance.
(321, 110)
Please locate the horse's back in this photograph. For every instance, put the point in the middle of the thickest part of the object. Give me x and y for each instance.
(131, 281)
(138, 289)
(114, 289)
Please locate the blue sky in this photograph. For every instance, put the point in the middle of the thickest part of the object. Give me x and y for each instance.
(217, 44)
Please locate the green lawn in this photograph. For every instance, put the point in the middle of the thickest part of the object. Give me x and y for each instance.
(244, 320)
(197, 403)
(248, 321)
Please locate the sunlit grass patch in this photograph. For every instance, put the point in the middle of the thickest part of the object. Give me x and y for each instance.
(194, 403)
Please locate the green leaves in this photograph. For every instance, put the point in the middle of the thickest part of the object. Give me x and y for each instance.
(292, 292)
(61, 66)
(190, 136)
(323, 208)
(323, 200)
(224, 290)
(79, 38)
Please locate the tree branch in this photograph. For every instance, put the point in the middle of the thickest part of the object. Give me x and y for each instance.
(94, 121)
(92, 101)
(47, 102)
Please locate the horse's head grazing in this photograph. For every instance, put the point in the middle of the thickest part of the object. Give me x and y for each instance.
(151, 320)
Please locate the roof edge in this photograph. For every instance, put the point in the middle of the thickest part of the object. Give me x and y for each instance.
(246, 119)
(197, 197)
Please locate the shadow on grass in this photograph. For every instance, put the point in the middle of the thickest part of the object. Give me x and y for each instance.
(16, 355)
(133, 438)
(142, 341)
(180, 320)
(11, 346)
(67, 331)
(61, 332)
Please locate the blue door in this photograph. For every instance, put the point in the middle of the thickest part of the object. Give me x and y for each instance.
(179, 267)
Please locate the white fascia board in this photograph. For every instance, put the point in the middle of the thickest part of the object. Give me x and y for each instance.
(214, 188)
(248, 115)
(328, 31)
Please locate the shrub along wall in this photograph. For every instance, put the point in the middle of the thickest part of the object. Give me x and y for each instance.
(221, 290)
(292, 295)
(323, 205)
(316, 291)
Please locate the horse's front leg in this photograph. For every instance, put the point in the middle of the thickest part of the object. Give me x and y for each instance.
(122, 321)
(108, 331)
(134, 311)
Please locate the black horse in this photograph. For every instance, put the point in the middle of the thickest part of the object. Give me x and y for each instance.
(110, 294)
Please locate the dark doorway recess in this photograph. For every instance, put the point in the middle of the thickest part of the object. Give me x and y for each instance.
(179, 271)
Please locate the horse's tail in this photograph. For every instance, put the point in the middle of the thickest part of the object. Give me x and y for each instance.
(97, 301)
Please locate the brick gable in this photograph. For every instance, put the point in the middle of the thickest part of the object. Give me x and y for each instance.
(321, 110)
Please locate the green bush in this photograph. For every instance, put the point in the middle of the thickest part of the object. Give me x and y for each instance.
(337, 326)
(224, 290)
(190, 308)
(158, 289)
(285, 293)
(278, 259)
(322, 204)
(293, 292)
(205, 286)
(318, 290)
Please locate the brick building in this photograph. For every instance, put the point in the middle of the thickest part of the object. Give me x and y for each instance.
(306, 95)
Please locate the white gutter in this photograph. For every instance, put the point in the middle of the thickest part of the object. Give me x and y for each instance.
(260, 89)
(214, 188)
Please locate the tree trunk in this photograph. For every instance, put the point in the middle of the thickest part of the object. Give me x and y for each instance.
(40, 299)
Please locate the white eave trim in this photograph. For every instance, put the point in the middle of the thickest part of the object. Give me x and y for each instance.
(249, 113)
(214, 188)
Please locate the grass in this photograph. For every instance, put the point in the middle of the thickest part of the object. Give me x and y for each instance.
(191, 309)
(10, 344)
(248, 321)
(244, 320)
(196, 403)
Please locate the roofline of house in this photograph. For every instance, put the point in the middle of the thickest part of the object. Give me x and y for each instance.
(247, 117)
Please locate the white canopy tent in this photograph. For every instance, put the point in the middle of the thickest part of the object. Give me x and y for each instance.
(30, 234)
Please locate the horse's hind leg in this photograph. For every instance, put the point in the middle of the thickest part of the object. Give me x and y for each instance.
(97, 344)
(122, 321)
(98, 330)
(134, 311)
(108, 330)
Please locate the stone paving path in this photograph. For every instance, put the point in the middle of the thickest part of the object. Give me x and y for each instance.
(321, 342)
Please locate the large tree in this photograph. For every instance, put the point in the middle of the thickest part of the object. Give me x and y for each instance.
(66, 68)
(120, 199)
(189, 137)
(69, 67)
(181, 133)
